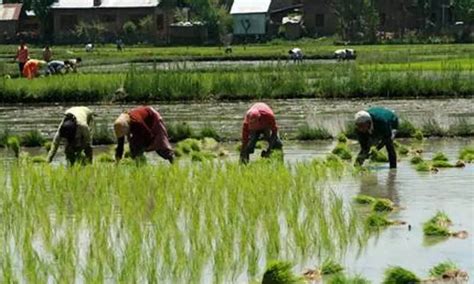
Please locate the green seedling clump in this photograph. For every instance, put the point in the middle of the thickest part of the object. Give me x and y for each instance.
(399, 275)
(189, 145)
(442, 164)
(423, 167)
(341, 278)
(406, 129)
(33, 138)
(418, 135)
(438, 225)
(202, 156)
(442, 268)
(209, 132)
(209, 144)
(179, 132)
(416, 160)
(279, 272)
(440, 157)
(307, 133)
(342, 138)
(342, 151)
(47, 145)
(402, 149)
(383, 205)
(467, 154)
(330, 267)
(378, 156)
(364, 199)
(377, 221)
(13, 143)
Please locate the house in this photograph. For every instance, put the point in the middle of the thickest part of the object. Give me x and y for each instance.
(319, 18)
(112, 14)
(260, 18)
(9, 21)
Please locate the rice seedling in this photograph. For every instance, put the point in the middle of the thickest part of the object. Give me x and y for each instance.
(399, 275)
(341, 278)
(364, 199)
(423, 167)
(439, 156)
(441, 268)
(438, 225)
(329, 267)
(378, 221)
(383, 205)
(461, 129)
(467, 154)
(442, 164)
(38, 160)
(342, 151)
(415, 160)
(432, 128)
(418, 135)
(168, 222)
(279, 272)
(102, 134)
(406, 129)
(180, 131)
(378, 156)
(105, 158)
(306, 133)
(33, 138)
(13, 144)
(341, 138)
(209, 132)
(47, 145)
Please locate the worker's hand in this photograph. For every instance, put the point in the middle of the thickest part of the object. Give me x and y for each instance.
(265, 154)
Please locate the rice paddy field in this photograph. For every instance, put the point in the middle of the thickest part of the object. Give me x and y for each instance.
(305, 215)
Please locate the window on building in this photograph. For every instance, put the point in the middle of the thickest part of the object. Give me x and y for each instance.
(319, 20)
(68, 22)
(160, 22)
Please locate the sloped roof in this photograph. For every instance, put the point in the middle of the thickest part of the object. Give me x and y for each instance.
(10, 12)
(85, 4)
(250, 6)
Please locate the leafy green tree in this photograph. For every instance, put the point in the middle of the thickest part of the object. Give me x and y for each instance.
(464, 11)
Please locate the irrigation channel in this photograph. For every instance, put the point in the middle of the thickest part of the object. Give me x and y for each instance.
(419, 194)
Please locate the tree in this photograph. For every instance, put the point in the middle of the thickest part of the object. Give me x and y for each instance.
(464, 11)
(42, 11)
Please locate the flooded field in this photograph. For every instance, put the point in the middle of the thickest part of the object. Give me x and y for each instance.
(226, 117)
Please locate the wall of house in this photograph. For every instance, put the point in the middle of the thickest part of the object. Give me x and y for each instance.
(8, 30)
(257, 24)
(319, 18)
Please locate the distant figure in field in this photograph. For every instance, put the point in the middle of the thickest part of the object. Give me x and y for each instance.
(75, 130)
(376, 127)
(145, 132)
(73, 63)
(57, 67)
(296, 54)
(119, 44)
(32, 67)
(259, 122)
(22, 56)
(345, 54)
(89, 47)
(228, 49)
(47, 53)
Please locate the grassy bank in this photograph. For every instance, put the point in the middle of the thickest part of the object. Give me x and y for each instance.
(306, 81)
(164, 223)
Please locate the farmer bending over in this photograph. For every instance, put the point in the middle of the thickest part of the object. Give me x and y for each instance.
(56, 67)
(75, 130)
(376, 127)
(259, 121)
(73, 63)
(31, 68)
(145, 132)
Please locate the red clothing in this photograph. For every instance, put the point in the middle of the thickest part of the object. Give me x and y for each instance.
(259, 117)
(22, 54)
(147, 130)
(30, 70)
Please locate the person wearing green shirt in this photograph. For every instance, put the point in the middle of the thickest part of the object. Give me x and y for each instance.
(75, 130)
(376, 127)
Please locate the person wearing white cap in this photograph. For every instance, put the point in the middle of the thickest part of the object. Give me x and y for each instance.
(376, 126)
(145, 132)
(296, 54)
(75, 130)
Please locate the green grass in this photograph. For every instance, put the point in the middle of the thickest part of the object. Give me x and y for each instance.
(305, 133)
(399, 275)
(130, 218)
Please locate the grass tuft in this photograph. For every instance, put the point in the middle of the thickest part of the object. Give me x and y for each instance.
(306, 133)
(330, 267)
(383, 205)
(279, 272)
(399, 275)
(441, 268)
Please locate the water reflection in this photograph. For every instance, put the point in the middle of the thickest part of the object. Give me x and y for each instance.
(381, 183)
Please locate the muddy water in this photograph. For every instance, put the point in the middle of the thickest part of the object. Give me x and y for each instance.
(226, 117)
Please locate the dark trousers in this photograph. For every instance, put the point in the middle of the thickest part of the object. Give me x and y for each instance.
(21, 66)
(273, 140)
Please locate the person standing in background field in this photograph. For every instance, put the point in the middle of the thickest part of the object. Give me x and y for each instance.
(22, 56)
(47, 53)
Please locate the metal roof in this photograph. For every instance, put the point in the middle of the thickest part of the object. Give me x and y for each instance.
(250, 6)
(10, 12)
(85, 4)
